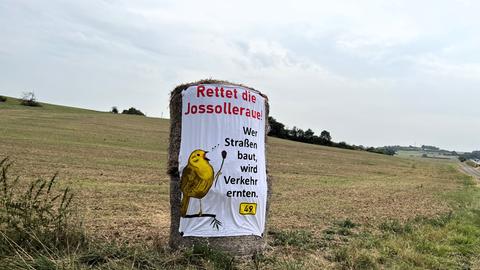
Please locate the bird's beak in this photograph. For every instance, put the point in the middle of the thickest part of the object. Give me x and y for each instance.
(205, 156)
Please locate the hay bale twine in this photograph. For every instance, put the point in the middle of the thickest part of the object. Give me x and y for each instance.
(233, 245)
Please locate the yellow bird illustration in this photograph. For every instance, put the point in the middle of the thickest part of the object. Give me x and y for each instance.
(197, 178)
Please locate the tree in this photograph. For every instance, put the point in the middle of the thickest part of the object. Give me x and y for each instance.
(430, 148)
(29, 99)
(325, 137)
(390, 151)
(277, 129)
(342, 145)
(293, 133)
(386, 150)
(133, 111)
(114, 110)
(300, 135)
(309, 135)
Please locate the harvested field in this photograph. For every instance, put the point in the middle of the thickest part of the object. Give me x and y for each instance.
(116, 164)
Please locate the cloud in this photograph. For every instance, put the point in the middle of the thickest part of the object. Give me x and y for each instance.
(439, 66)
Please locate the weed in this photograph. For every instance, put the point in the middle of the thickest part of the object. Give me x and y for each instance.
(291, 265)
(200, 255)
(36, 217)
(260, 259)
(394, 226)
(341, 255)
(115, 255)
(347, 223)
(441, 220)
(298, 238)
(365, 261)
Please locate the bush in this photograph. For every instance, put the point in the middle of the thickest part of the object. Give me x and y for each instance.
(3, 99)
(471, 163)
(29, 99)
(35, 217)
(134, 111)
(386, 150)
(114, 110)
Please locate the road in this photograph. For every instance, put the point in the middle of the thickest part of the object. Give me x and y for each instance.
(469, 170)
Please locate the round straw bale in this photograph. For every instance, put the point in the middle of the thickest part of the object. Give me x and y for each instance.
(234, 245)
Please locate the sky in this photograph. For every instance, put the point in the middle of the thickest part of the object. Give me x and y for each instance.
(371, 72)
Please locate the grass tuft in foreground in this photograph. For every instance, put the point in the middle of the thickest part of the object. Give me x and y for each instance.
(35, 216)
(295, 238)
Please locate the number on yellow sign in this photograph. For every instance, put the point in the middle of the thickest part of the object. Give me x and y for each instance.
(248, 208)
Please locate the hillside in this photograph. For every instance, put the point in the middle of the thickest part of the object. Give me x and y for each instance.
(117, 163)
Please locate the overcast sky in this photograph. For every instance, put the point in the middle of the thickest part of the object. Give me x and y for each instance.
(371, 72)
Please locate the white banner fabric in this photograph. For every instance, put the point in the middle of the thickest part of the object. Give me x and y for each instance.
(222, 161)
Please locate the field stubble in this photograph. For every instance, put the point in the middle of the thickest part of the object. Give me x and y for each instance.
(117, 163)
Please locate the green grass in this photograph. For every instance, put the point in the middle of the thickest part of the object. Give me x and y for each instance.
(450, 241)
(330, 208)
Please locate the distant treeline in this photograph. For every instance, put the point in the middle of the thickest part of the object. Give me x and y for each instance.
(433, 149)
(471, 155)
(132, 110)
(279, 130)
(424, 148)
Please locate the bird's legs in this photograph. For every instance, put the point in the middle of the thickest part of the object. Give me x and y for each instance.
(200, 213)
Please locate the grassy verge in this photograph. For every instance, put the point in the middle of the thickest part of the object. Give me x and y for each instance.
(449, 241)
